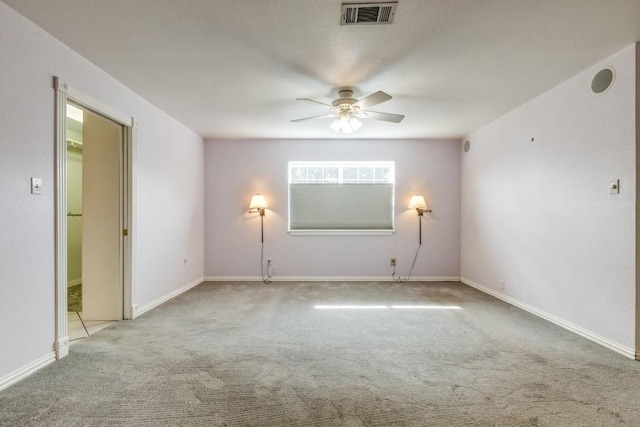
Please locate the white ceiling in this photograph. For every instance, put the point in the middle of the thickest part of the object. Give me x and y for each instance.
(233, 68)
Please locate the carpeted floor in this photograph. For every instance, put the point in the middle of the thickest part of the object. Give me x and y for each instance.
(74, 298)
(249, 354)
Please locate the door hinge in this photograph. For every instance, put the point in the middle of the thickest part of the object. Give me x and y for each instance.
(125, 232)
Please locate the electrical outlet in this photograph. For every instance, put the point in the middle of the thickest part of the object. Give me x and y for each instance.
(185, 260)
(268, 260)
(274, 270)
(614, 187)
(393, 262)
(502, 285)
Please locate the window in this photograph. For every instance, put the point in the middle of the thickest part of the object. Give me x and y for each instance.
(341, 197)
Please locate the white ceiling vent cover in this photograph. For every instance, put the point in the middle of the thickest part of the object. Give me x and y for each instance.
(368, 13)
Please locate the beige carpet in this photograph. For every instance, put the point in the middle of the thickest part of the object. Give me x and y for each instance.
(249, 354)
(74, 298)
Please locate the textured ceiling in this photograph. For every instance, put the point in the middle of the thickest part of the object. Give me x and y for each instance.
(233, 68)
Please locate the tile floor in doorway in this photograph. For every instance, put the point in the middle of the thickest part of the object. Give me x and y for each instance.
(79, 328)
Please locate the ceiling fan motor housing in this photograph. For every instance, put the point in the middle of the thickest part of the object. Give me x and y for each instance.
(345, 101)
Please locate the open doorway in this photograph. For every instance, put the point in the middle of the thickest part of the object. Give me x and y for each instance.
(95, 237)
(94, 185)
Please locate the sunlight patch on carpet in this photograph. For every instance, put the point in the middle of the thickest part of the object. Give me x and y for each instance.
(386, 307)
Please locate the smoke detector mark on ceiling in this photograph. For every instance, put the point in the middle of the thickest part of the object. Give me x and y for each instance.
(368, 13)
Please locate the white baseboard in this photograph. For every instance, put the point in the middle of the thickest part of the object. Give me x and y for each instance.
(605, 342)
(61, 347)
(137, 311)
(27, 370)
(74, 282)
(329, 279)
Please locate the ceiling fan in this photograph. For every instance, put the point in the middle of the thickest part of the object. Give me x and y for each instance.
(347, 110)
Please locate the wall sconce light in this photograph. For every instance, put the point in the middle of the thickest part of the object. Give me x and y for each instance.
(417, 202)
(259, 204)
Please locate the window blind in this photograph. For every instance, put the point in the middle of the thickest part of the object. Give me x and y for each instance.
(341, 206)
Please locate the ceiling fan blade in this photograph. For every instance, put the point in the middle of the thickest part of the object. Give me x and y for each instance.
(312, 100)
(371, 100)
(316, 117)
(386, 117)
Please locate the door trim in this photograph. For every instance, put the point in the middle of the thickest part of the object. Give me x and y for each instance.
(63, 94)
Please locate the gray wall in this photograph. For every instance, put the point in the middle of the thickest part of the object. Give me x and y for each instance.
(170, 188)
(235, 170)
(538, 214)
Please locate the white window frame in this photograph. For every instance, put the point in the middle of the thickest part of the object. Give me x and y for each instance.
(341, 165)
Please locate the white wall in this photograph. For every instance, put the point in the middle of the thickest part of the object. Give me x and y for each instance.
(170, 188)
(539, 216)
(235, 170)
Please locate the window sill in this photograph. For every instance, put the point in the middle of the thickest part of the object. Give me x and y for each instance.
(341, 232)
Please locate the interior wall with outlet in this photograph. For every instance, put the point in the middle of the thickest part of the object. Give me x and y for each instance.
(537, 212)
(235, 170)
(170, 188)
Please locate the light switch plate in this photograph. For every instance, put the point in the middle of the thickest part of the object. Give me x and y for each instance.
(36, 185)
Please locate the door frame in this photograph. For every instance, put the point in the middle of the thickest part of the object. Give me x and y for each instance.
(63, 94)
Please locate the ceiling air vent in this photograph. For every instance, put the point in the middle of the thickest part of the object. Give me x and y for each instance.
(368, 13)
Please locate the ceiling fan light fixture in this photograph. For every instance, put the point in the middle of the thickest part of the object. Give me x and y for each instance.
(346, 123)
(347, 110)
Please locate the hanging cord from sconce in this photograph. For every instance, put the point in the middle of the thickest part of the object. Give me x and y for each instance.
(406, 279)
(266, 280)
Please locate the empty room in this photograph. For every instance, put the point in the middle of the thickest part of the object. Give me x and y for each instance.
(319, 212)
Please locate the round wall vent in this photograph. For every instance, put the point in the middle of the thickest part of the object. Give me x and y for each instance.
(603, 80)
(467, 146)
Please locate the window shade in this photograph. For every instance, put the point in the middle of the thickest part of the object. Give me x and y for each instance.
(341, 206)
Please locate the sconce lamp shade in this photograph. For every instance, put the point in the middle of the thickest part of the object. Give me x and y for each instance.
(417, 202)
(258, 202)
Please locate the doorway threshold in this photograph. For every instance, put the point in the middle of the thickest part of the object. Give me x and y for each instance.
(79, 328)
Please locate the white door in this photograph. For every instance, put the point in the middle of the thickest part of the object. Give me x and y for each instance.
(102, 271)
